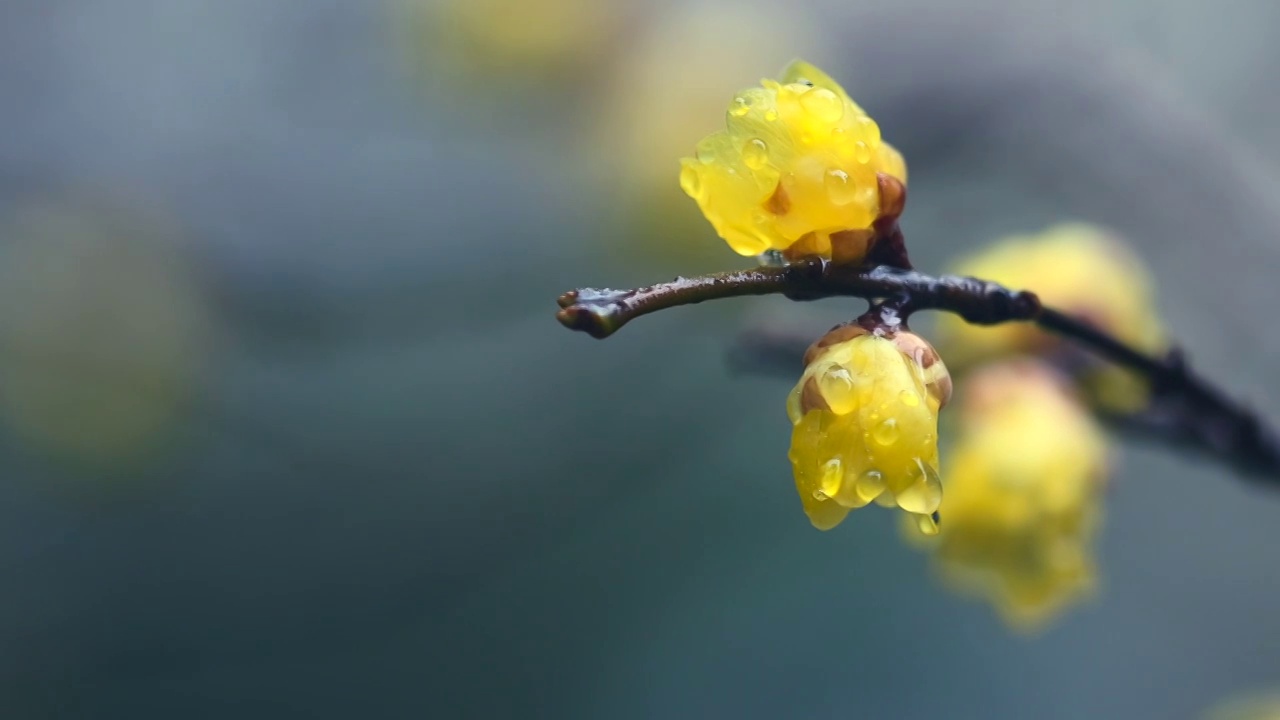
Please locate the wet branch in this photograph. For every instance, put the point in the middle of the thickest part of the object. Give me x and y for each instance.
(1185, 409)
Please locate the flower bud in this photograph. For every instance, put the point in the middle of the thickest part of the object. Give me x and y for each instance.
(1083, 271)
(795, 170)
(1024, 487)
(865, 417)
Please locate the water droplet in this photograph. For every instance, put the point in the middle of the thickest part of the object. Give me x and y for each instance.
(836, 387)
(770, 115)
(886, 499)
(690, 181)
(820, 496)
(886, 433)
(870, 485)
(832, 476)
(741, 106)
(755, 154)
(909, 398)
(861, 152)
(840, 189)
(770, 258)
(793, 406)
(925, 494)
(868, 196)
(824, 105)
(868, 129)
(927, 524)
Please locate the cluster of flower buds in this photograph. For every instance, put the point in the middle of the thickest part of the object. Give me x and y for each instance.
(800, 170)
(1028, 461)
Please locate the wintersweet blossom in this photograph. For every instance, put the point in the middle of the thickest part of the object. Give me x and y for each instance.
(865, 417)
(794, 170)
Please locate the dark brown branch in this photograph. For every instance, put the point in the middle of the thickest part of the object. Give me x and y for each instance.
(1185, 409)
(600, 313)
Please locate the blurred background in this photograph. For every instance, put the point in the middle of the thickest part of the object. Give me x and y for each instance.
(289, 429)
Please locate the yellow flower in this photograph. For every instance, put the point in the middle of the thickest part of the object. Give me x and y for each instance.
(1081, 270)
(106, 332)
(865, 416)
(794, 169)
(1257, 707)
(510, 37)
(1024, 484)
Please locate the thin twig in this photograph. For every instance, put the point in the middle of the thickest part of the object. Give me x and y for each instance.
(1185, 408)
(600, 313)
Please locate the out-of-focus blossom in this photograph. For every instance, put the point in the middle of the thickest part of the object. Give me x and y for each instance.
(1253, 707)
(516, 39)
(1079, 269)
(1025, 478)
(794, 169)
(102, 331)
(865, 417)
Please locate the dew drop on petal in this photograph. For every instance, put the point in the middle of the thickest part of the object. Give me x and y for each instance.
(770, 115)
(886, 433)
(927, 524)
(794, 412)
(870, 485)
(823, 105)
(924, 495)
(755, 153)
(740, 107)
(836, 386)
(869, 130)
(909, 398)
(841, 190)
(832, 475)
(868, 196)
(861, 152)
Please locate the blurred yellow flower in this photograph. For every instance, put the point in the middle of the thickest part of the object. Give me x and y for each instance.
(865, 417)
(794, 169)
(1256, 707)
(104, 331)
(1077, 268)
(1024, 485)
(510, 37)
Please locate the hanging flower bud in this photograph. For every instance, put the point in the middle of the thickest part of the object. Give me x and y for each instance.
(865, 416)
(1081, 270)
(1024, 486)
(794, 170)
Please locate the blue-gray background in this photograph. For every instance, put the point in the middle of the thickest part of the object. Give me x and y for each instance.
(394, 487)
